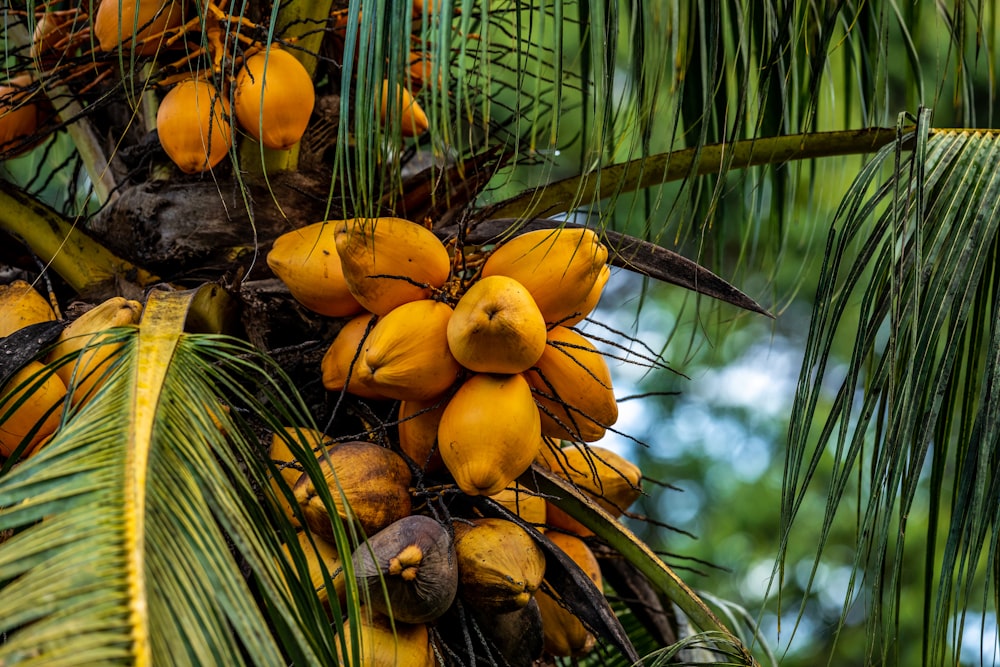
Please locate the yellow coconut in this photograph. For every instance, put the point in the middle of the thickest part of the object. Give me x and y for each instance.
(306, 260)
(386, 644)
(274, 97)
(319, 555)
(564, 633)
(558, 267)
(87, 335)
(412, 119)
(407, 355)
(500, 566)
(50, 33)
(390, 261)
(611, 479)
(193, 125)
(139, 25)
(374, 482)
(588, 305)
(22, 108)
(527, 505)
(345, 359)
(418, 427)
(489, 433)
(25, 407)
(496, 327)
(572, 385)
(21, 305)
(288, 465)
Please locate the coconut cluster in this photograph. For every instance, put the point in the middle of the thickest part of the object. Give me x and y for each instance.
(258, 88)
(484, 366)
(414, 568)
(272, 92)
(273, 98)
(477, 346)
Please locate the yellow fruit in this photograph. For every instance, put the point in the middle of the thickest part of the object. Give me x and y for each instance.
(418, 427)
(288, 466)
(558, 267)
(489, 433)
(611, 479)
(138, 25)
(572, 385)
(374, 480)
(407, 354)
(408, 569)
(390, 261)
(21, 305)
(500, 566)
(306, 260)
(527, 505)
(21, 112)
(559, 521)
(593, 297)
(564, 634)
(412, 119)
(274, 97)
(37, 447)
(418, 7)
(320, 554)
(39, 410)
(86, 333)
(347, 349)
(421, 69)
(386, 644)
(193, 126)
(496, 327)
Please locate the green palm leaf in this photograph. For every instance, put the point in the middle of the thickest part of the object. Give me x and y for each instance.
(913, 426)
(134, 530)
(621, 540)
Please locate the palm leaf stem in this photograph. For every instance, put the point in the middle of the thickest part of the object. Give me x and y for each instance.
(623, 541)
(86, 265)
(567, 194)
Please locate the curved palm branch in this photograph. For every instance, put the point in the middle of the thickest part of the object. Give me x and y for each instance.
(132, 534)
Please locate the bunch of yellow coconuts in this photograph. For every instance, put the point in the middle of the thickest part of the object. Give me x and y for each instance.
(482, 359)
(272, 93)
(476, 345)
(33, 398)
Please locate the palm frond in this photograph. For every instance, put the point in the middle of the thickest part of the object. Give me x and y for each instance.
(632, 549)
(135, 529)
(911, 429)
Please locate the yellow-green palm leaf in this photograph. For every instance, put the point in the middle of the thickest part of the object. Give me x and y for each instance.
(136, 536)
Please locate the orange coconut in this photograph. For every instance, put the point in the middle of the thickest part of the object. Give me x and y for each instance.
(274, 97)
(193, 125)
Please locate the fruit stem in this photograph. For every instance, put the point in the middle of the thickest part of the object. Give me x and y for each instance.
(297, 22)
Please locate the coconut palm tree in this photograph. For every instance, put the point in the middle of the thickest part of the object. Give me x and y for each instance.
(691, 136)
